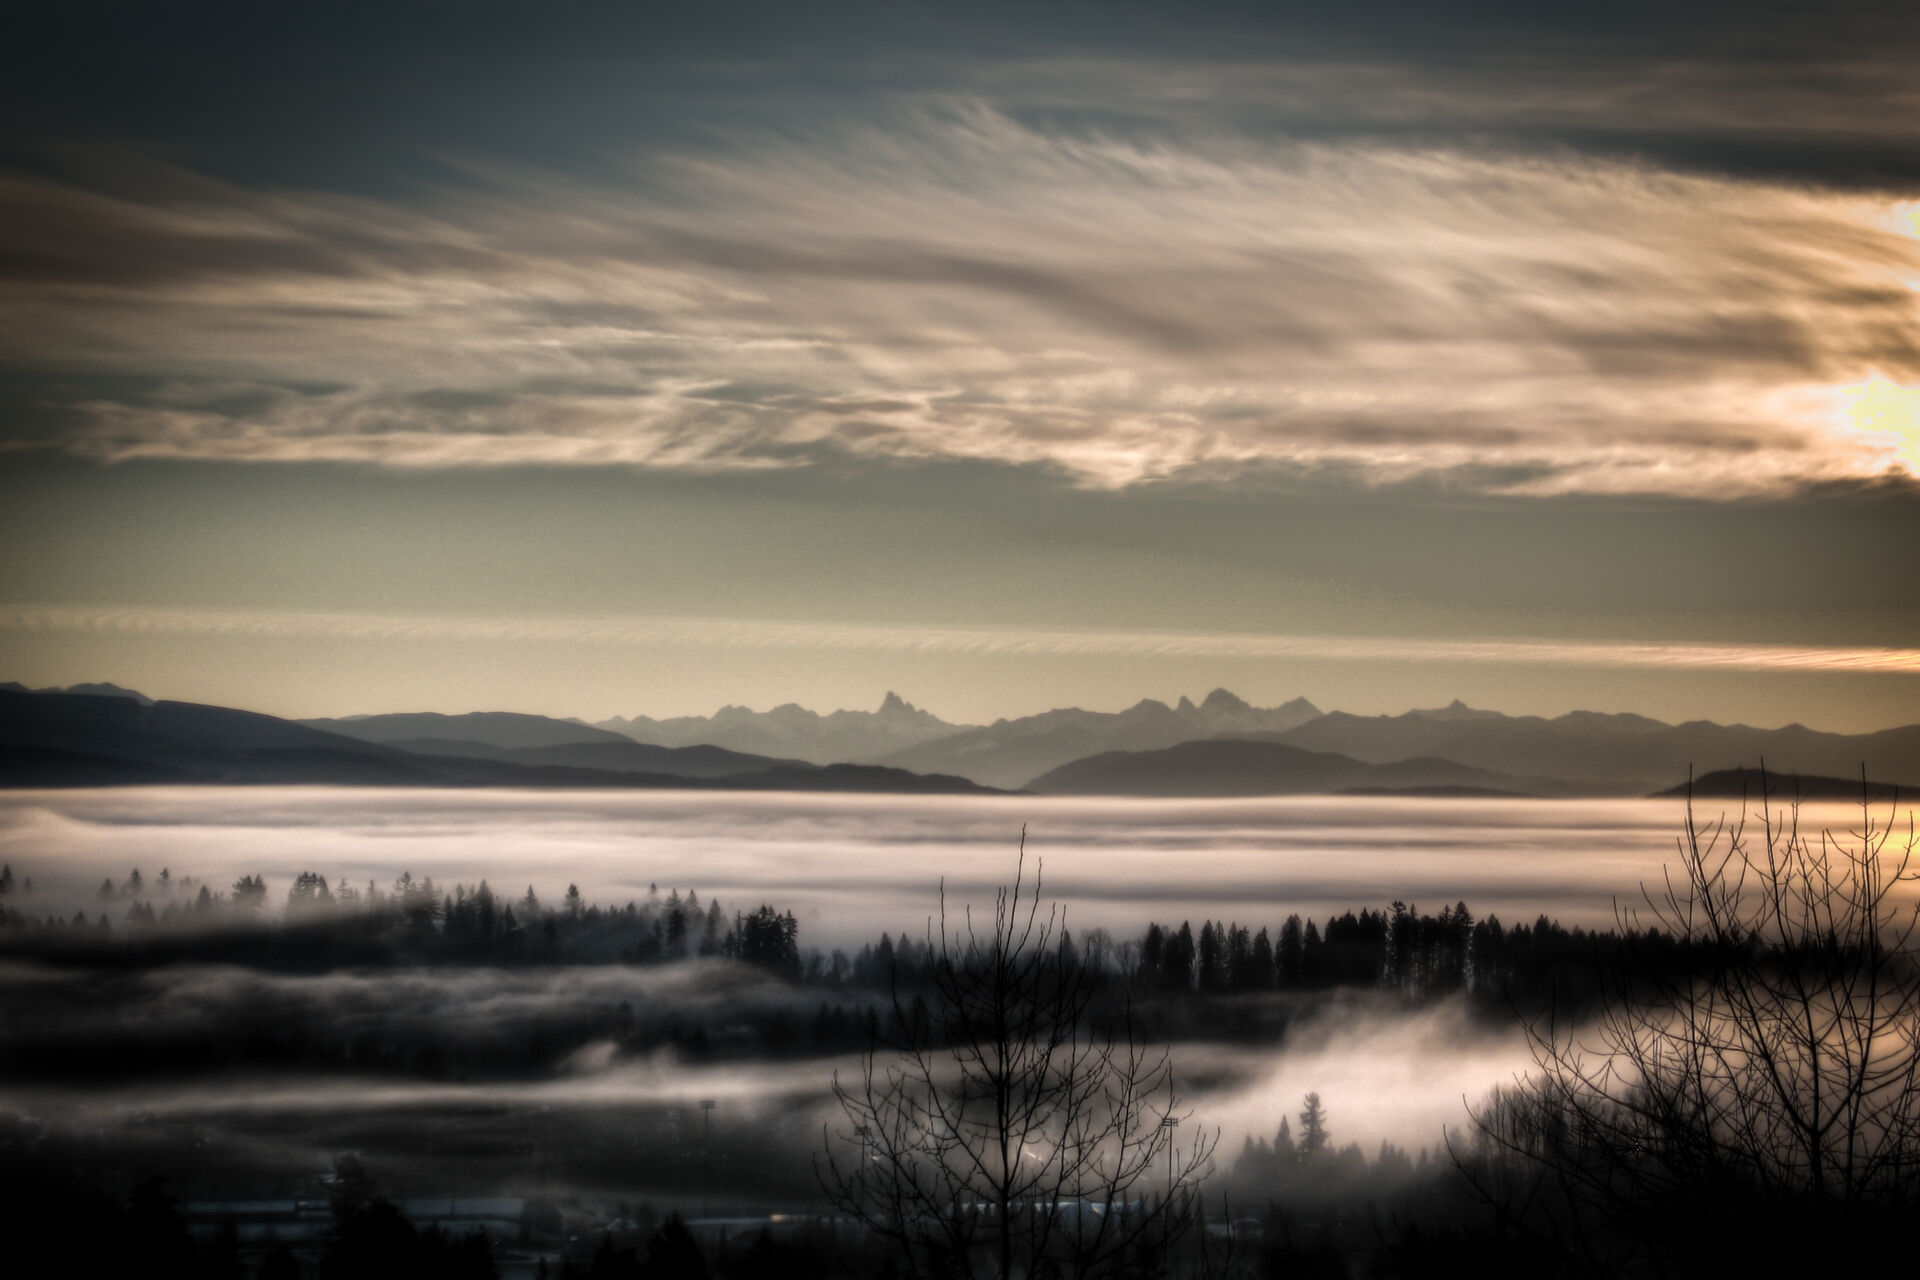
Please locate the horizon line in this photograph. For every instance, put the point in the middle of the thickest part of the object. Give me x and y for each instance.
(774, 633)
(764, 633)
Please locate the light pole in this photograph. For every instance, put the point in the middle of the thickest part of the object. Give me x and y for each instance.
(706, 1151)
(1168, 1124)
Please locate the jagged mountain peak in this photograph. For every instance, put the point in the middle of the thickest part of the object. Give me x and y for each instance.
(1223, 711)
(791, 731)
(1224, 700)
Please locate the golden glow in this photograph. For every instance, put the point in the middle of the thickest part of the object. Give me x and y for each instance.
(1886, 408)
(979, 290)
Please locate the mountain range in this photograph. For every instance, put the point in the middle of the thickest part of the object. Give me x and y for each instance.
(506, 729)
(1006, 753)
(1013, 752)
(790, 730)
(102, 734)
(1609, 754)
(1231, 767)
(59, 738)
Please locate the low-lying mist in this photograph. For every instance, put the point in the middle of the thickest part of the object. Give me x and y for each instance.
(850, 867)
(522, 1060)
(592, 1114)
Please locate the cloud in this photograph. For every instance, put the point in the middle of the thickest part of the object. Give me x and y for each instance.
(756, 633)
(963, 284)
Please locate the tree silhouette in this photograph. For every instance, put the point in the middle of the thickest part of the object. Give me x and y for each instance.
(1753, 1075)
(373, 1240)
(1286, 956)
(309, 892)
(770, 939)
(1005, 1136)
(1176, 959)
(279, 1264)
(249, 893)
(1313, 1128)
(1284, 1152)
(1152, 955)
(673, 1254)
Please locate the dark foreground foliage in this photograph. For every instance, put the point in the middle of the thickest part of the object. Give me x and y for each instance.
(1727, 1082)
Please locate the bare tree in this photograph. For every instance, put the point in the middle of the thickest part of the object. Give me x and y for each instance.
(1000, 1132)
(1753, 1080)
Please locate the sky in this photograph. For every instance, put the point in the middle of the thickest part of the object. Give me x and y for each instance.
(606, 359)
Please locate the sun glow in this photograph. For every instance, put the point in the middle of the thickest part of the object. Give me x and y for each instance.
(1881, 407)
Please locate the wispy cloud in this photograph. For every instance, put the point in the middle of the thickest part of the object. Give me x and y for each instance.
(962, 284)
(754, 633)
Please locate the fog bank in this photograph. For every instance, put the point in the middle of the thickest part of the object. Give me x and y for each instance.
(852, 866)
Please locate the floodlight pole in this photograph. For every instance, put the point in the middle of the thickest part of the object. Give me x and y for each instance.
(706, 1151)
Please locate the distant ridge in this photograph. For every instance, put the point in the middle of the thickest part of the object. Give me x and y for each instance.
(1606, 754)
(1787, 787)
(503, 729)
(790, 730)
(1009, 752)
(101, 690)
(1453, 749)
(1230, 767)
(73, 740)
(619, 756)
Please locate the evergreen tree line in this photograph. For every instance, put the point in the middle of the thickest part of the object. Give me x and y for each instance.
(473, 923)
(1418, 954)
(1403, 949)
(1314, 1166)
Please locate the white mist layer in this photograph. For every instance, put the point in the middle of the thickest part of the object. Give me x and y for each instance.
(851, 866)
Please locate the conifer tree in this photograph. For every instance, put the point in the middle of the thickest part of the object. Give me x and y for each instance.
(1286, 960)
(1177, 960)
(1213, 958)
(1313, 1128)
(1283, 1149)
(1260, 963)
